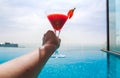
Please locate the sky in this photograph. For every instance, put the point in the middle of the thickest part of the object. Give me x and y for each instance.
(25, 21)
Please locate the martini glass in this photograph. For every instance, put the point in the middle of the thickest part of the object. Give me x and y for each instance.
(57, 19)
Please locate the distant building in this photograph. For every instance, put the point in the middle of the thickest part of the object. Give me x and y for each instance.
(8, 44)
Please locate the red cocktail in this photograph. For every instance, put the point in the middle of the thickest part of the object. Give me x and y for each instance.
(57, 20)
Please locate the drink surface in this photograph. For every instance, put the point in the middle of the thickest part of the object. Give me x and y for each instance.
(57, 20)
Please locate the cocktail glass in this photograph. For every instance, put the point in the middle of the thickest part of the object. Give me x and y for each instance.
(57, 19)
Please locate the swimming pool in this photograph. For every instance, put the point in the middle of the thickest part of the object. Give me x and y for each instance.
(78, 63)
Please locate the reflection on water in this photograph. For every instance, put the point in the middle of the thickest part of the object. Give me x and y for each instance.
(114, 67)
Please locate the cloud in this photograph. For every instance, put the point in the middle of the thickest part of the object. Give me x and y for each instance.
(19, 18)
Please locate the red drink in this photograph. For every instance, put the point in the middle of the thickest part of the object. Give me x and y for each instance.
(57, 20)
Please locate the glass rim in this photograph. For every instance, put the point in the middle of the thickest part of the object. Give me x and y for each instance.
(55, 11)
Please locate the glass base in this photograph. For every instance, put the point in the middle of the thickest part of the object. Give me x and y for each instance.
(57, 54)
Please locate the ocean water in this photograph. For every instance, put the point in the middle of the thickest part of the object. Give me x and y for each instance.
(80, 62)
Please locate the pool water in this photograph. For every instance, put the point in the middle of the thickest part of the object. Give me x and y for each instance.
(78, 63)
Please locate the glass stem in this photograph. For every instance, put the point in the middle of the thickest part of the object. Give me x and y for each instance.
(57, 33)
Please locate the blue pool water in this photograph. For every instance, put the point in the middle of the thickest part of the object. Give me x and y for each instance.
(79, 62)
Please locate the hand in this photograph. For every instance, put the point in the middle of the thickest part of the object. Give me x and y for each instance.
(50, 39)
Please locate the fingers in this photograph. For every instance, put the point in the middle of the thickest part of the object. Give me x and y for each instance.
(50, 37)
(49, 32)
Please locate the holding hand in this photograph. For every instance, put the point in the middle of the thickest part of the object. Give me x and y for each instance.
(50, 39)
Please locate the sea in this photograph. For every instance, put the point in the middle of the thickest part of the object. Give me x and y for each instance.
(79, 62)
